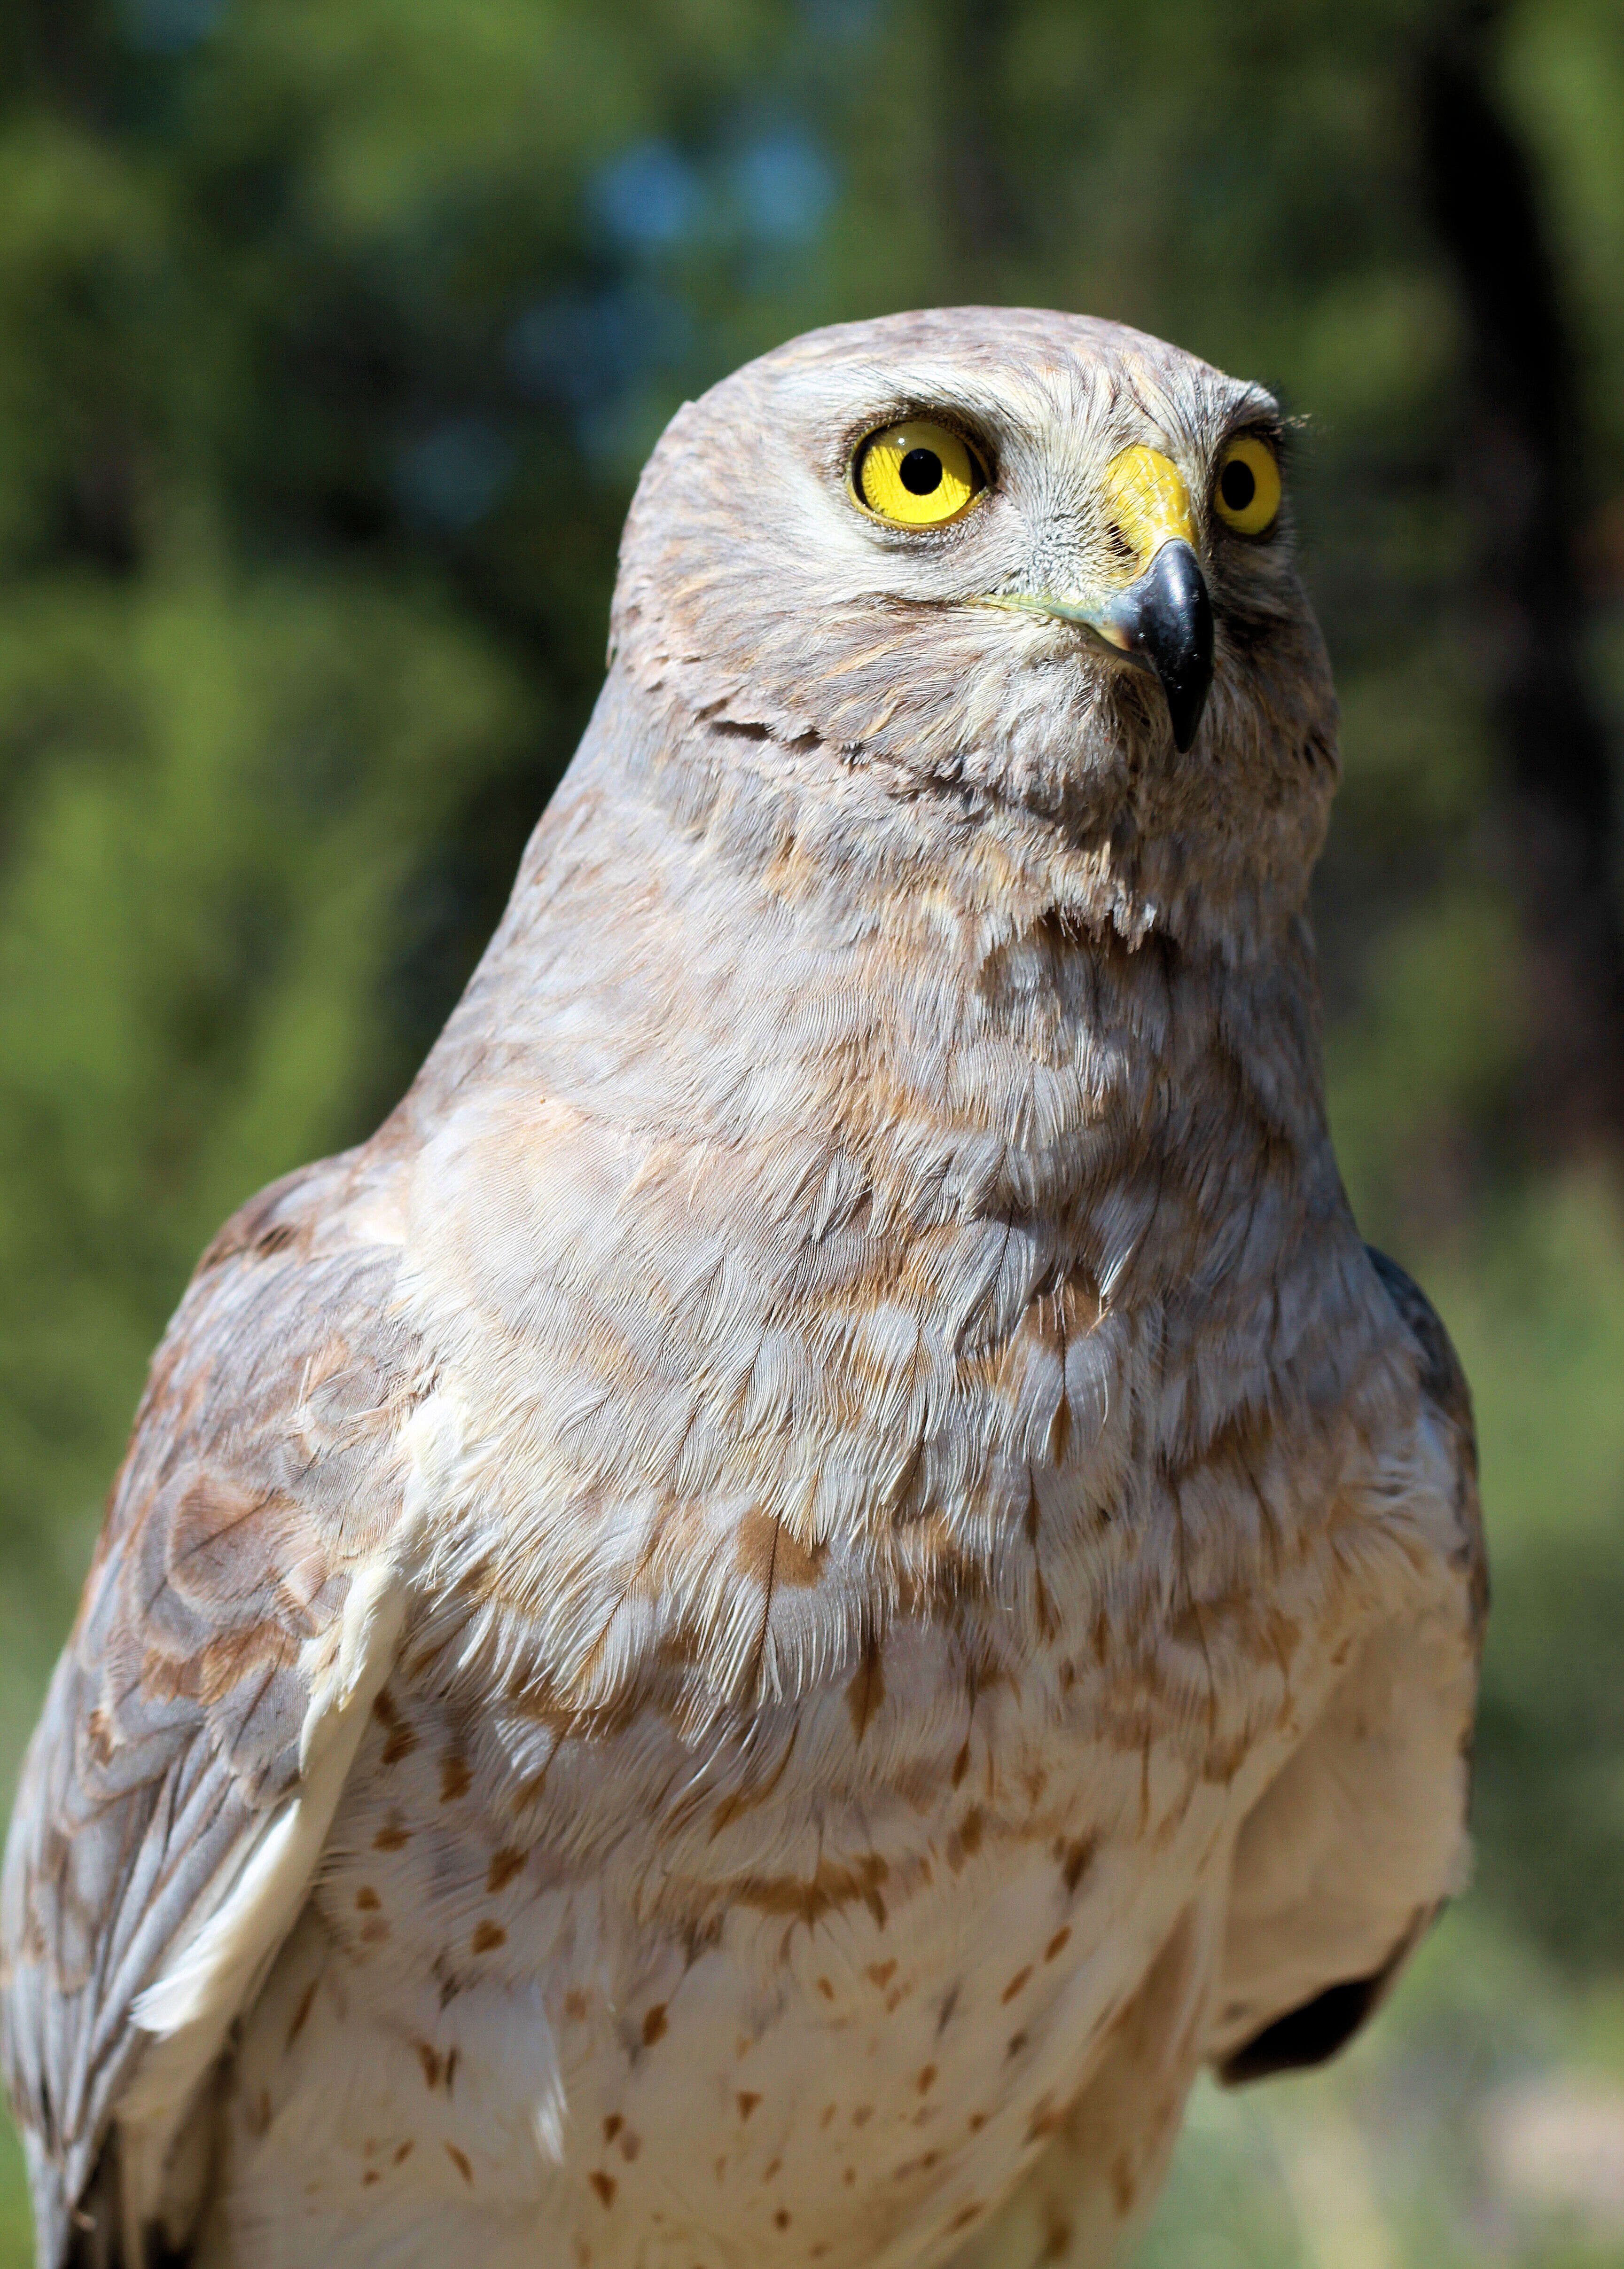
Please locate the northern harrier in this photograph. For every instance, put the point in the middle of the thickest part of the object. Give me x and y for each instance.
(827, 1565)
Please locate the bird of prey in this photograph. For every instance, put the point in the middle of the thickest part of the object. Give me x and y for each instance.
(827, 1565)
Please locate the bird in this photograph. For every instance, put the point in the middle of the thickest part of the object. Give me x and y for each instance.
(827, 1568)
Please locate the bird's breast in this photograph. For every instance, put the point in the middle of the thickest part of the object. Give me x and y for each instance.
(819, 1974)
(836, 1975)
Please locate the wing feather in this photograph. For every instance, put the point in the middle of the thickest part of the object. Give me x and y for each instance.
(1350, 1853)
(241, 1612)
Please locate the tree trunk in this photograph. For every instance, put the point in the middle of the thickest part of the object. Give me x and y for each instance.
(1522, 447)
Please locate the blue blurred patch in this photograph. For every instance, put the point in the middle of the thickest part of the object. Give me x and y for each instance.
(584, 350)
(842, 22)
(169, 27)
(782, 186)
(649, 197)
(450, 477)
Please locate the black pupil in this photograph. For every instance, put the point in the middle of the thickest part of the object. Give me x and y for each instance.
(920, 472)
(1238, 485)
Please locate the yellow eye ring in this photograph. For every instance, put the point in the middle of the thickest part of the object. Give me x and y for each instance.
(918, 474)
(1246, 495)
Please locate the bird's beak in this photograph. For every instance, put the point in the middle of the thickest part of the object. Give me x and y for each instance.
(1161, 618)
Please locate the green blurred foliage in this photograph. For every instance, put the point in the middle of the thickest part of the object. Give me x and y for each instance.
(332, 335)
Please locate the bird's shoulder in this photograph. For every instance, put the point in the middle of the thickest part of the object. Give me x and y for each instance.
(1444, 1397)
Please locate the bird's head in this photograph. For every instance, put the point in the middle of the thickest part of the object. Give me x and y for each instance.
(1033, 558)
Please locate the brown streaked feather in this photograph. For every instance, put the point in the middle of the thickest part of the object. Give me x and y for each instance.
(258, 1477)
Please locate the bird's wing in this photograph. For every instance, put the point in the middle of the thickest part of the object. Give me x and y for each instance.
(240, 1614)
(1352, 1849)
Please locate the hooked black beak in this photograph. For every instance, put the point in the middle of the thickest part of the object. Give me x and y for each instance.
(1165, 622)
(1161, 622)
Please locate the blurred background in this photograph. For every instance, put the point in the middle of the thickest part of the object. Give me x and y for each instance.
(332, 336)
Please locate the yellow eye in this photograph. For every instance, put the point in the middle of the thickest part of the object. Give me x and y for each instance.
(1248, 493)
(917, 473)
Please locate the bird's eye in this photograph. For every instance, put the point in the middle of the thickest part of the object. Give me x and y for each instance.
(918, 473)
(1248, 493)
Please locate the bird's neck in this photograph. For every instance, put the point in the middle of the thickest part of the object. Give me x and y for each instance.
(738, 944)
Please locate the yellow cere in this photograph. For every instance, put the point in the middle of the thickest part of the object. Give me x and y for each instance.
(1148, 503)
(918, 473)
(1247, 494)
